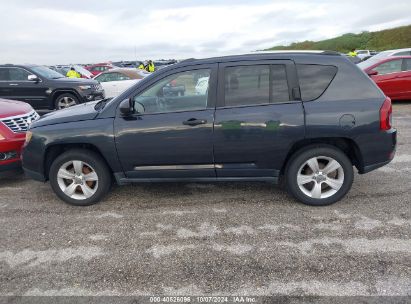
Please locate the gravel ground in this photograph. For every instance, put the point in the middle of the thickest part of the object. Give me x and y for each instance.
(205, 239)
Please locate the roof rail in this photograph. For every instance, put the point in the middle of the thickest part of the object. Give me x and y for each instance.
(332, 53)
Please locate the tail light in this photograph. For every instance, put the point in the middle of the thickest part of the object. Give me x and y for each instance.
(386, 115)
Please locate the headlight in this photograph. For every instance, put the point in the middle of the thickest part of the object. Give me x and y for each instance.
(85, 87)
(29, 134)
(2, 137)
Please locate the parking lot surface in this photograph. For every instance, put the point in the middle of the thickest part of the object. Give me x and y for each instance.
(212, 239)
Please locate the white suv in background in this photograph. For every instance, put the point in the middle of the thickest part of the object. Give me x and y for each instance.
(389, 53)
(397, 52)
(363, 54)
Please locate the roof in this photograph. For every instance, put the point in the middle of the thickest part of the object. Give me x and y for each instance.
(258, 56)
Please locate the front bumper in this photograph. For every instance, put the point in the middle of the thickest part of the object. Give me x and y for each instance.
(34, 175)
(10, 150)
(94, 95)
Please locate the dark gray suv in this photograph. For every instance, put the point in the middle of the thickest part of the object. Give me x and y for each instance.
(45, 89)
(304, 118)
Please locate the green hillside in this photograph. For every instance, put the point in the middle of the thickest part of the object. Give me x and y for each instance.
(395, 38)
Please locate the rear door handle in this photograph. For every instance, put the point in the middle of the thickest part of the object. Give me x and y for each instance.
(13, 84)
(194, 122)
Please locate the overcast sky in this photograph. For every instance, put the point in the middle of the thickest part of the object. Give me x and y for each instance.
(73, 31)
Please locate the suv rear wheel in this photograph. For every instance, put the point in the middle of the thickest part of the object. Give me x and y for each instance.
(65, 100)
(319, 175)
(80, 177)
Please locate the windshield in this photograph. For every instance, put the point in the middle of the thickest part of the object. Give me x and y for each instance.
(46, 72)
(83, 71)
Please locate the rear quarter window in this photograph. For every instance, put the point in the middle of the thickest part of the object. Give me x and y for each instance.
(314, 79)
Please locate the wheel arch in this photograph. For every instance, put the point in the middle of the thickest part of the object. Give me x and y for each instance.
(53, 151)
(346, 145)
(58, 92)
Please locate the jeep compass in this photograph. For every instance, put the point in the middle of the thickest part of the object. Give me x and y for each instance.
(306, 118)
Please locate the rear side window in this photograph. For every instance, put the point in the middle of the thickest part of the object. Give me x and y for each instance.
(252, 85)
(314, 79)
(17, 74)
(4, 74)
(247, 85)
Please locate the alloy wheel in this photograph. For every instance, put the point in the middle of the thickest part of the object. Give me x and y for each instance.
(77, 179)
(66, 102)
(320, 177)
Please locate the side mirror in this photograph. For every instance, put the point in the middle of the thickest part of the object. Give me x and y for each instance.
(372, 73)
(127, 107)
(33, 78)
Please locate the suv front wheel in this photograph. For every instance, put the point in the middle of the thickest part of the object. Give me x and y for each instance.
(65, 100)
(80, 177)
(319, 175)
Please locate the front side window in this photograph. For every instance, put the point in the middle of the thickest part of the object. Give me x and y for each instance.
(175, 93)
(46, 72)
(102, 78)
(17, 74)
(393, 66)
(314, 79)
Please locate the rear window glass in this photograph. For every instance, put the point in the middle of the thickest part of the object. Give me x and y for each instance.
(314, 79)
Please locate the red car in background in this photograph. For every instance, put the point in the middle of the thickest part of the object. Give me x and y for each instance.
(392, 75)
(98, 68)
(15, 118)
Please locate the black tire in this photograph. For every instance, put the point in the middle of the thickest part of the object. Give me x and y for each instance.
(90, 158)
(301, 157)
(64, 99)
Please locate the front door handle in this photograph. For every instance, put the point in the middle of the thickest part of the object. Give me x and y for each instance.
(13, 84)
(194, 122)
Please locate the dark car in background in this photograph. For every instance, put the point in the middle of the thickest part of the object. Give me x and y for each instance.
(15, 119)
(392, 75)
(44, 88)
(162, 63)
(304, 118)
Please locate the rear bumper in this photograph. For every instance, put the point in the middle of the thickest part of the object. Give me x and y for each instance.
(381, 152)
(374, 167)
